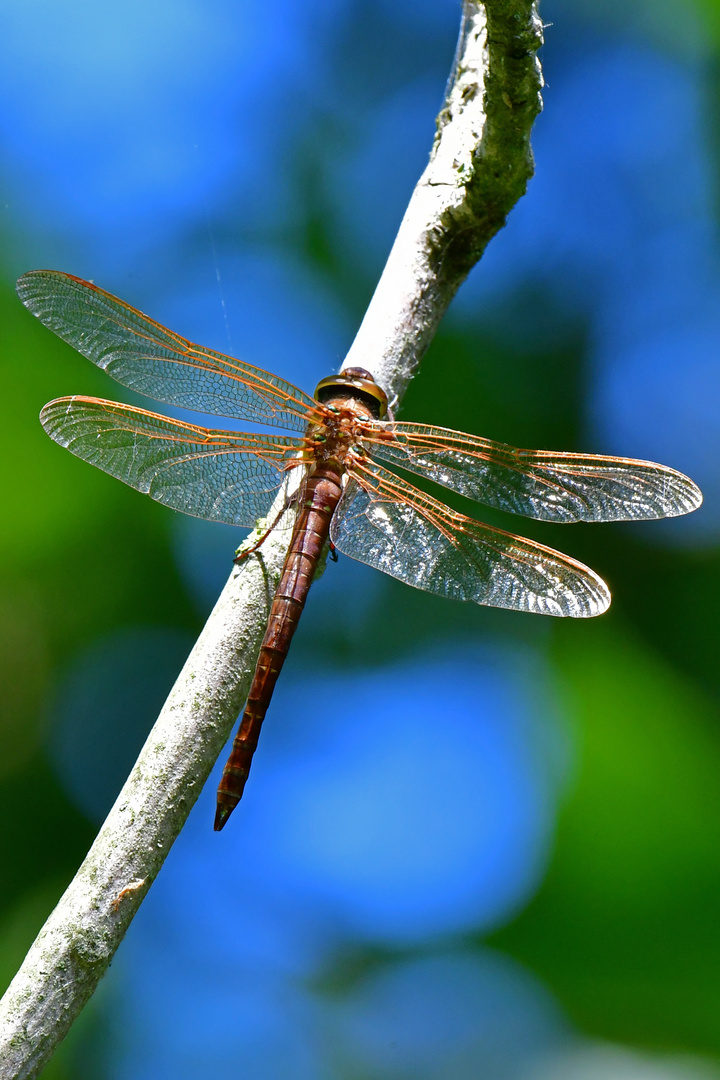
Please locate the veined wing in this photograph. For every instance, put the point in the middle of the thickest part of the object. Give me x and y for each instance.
(385, 522)
(152, 360)
(540, 484)
(218, 475)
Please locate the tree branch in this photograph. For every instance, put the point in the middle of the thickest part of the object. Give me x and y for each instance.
(479, 167)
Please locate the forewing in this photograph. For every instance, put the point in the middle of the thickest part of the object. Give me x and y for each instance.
(387, 523)
(217, 475)
(152, 360)
(536, 483)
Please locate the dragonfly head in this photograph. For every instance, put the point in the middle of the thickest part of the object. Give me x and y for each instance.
(353, 382)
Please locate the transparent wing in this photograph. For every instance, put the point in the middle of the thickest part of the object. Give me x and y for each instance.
(536, 483)
(387, 523)
(146, 357)
(218, 475)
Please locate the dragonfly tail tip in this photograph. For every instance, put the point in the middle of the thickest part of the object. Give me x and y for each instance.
(221, 815)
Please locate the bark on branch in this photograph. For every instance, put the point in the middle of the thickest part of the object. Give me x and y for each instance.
(479, 167)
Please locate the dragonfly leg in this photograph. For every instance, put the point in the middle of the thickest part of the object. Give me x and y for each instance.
(243, 552)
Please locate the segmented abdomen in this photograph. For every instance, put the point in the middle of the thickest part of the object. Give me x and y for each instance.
(321, 496)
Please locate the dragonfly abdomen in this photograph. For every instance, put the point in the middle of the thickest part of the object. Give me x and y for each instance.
(320, 498)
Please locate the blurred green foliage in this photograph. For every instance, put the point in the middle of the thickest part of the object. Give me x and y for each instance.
(625, 928)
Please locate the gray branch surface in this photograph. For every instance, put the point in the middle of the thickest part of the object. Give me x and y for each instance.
(479, 167)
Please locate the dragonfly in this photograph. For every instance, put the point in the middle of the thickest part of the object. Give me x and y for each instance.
(349, 493)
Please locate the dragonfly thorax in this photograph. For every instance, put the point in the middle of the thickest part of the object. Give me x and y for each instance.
(337, 434)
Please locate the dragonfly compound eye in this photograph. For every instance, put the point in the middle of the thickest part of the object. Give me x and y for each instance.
(357, 383)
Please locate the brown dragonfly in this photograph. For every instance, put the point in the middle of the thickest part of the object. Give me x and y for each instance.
(346, 494)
